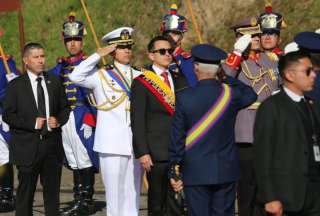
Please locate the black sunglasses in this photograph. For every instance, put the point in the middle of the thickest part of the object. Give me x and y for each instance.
(124, 47)
(309, 70)
(163, 51)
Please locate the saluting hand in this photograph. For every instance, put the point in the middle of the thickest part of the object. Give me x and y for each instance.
(106, 50)
(53, 122)
(146, 162)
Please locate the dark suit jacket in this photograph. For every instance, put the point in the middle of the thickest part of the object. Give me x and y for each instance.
(281, 151)
(20, 113)
(150, 121)
(213, 159)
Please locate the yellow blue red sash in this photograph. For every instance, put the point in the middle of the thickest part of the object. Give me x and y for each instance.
(211, 117)
(159, 89)
(121, 80)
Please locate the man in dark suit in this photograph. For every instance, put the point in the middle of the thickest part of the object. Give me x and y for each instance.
(202, 137)
(152, 107)
(286, 143)
(35, 107)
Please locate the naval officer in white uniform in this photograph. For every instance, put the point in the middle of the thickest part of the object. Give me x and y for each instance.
(121, 172)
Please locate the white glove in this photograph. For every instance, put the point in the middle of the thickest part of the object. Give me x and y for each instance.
(242, 43)
(87, 131)
(5, 127)
(11, 76)
(291, 47)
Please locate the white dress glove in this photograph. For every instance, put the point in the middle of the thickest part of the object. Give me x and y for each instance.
(5, 127)
(87, 131)
(11, 76)
(242, 43)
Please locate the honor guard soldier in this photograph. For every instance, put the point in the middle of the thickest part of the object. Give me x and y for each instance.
(174, 26)
(8, 71)
(111, 85)
(255, 69)
(78, 133)
(271, 24)
(202, 146)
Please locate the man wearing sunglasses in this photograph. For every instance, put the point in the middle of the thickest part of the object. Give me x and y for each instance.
(111, 86)
(310, 42)
(286, 143)
(78, 132)
(153, 101)
(253, 67)
(174, 26)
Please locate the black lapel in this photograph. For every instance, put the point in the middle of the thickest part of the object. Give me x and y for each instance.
(29, 92)
(295, 108)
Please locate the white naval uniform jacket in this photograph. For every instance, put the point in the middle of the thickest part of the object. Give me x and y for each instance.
(113, 131)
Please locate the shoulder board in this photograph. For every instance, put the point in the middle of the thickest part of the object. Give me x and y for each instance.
(108, 66)
(186, 54)
(272, 56)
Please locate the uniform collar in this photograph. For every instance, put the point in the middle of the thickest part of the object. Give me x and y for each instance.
(76, 58)
(122, 67)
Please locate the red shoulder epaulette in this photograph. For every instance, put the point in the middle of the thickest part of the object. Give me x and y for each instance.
(233, 60)
(186, 54)
(277, 51)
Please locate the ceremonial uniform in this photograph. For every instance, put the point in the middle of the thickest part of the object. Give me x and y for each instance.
(177, 24)
(78, 132)
(113, 138)
(6, 169)
(202, 146)
(261, 73)
(271, 24)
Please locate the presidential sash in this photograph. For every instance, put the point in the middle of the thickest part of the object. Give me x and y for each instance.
(211, 117)
(159, 89)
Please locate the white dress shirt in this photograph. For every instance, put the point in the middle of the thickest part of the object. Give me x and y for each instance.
(160, 71)
(34, 83)
(295, 97)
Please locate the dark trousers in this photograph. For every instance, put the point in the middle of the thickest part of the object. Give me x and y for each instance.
(49, 168)
(211, 200)
(161, 199)
(247, 186)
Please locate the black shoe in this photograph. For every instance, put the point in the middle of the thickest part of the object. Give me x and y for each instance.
(74, 210)
(7, 200)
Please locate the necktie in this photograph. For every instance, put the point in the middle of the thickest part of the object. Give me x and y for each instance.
(41, 99)
(165, 77)
(41, 105)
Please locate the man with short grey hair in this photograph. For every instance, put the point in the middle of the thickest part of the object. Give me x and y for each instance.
(202, 146)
